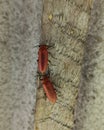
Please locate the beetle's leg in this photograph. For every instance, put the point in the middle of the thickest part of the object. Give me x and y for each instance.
(45, 97)
(51, 46)
(51, 55)
(51, 63)
(48, 72)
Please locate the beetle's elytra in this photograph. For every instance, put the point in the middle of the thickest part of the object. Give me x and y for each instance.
(49, 89)
(43, 58)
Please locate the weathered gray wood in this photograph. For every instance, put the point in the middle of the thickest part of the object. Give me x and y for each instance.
(65, 25)
(90, 108)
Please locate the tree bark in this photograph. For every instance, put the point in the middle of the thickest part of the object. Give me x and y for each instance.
(64, 26)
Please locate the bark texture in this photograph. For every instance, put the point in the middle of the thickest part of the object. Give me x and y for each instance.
(64, 26)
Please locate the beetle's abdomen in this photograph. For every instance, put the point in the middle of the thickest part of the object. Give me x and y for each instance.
(49, 90)
(42, 60)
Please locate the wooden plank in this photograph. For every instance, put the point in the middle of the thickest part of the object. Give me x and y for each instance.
(64, 26)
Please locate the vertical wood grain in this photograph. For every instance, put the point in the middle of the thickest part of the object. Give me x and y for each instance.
(64, 26)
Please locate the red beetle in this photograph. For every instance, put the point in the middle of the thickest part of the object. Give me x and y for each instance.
(49, 89)
(43, 58)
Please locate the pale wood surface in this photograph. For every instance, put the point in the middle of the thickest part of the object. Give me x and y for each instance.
(64, 25)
